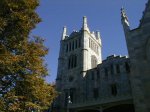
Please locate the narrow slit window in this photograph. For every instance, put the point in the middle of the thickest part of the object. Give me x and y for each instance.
(111, 69)
(127, 67)
(114, 89)
(106, 73)
(117, 68)
(73, 45)
(76, 44)
(95, 93)
(79, 42)
(67, 48)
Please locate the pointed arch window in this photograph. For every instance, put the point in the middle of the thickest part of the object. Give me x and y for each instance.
(70, 46)
(67, 48)
(95, 93)
(93, 61)
(106, 73)
(72, 61)
(79, 42)
(114, 89)
(117, 68)
(73, 45)
(98, 74)
(92, 75)
(127, 67)
(111, 69)
(76, 44)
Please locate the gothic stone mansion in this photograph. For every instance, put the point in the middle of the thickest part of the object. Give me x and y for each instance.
(86, 83)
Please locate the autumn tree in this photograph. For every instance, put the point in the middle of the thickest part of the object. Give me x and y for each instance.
(22, 67)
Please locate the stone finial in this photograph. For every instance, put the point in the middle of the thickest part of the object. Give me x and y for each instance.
(85, 26)
(93, 33)
(98, 35)
(124, 17)
(64, 32)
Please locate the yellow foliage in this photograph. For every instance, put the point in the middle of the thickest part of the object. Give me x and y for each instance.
(22, 68)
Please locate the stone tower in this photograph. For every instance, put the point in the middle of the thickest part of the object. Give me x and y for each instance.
(138, 44)
(79, 52)
(117, 84)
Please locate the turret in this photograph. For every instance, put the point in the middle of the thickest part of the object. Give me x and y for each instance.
(125, 21)
(85, 35)
(61, 52)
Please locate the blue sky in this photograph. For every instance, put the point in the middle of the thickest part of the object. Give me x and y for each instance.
(102, 15)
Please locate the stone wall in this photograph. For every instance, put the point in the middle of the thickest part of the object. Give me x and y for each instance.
(138, 43)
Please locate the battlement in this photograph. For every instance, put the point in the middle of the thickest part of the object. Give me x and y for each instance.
(75, 34)
(78, 34)
(114, 57)
(114, 61)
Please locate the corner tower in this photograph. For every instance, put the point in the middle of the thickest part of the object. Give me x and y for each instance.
(79, 52)
(91, 48)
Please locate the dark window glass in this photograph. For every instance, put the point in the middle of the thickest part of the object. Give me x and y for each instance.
(70, 79)
(67, 48)
(72, 62)
(117, 68)
(73, 45)
(114, 89)
(98, 74)
(92, 75)
(75, 61)
(79, 42)
(111, 69)
(95, 93)
(127, 67)
(106, 73)
(69, 63)
(76, 44)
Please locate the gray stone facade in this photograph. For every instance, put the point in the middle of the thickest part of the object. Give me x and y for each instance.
(138, 44)
(117, 84)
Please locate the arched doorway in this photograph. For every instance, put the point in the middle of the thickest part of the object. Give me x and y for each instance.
(121, 108)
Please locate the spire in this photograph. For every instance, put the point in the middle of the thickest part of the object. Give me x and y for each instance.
(85, 26)
(124, 17)
(64, 33)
